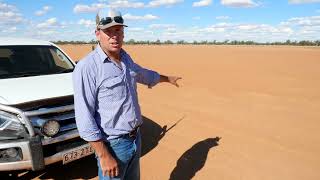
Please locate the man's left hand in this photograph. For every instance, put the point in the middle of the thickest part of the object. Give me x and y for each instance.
(174, 80)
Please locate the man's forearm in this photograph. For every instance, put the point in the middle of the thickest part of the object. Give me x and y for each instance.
(164, 78)
(170, 79)
(108, 163)
(100, 148)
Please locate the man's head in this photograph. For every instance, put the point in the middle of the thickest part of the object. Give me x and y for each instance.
(109, 31)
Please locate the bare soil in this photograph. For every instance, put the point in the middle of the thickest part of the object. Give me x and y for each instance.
(241, 112)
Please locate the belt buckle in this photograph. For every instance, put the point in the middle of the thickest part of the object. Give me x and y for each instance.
(133, 133)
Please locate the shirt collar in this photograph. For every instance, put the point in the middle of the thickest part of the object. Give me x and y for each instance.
(101, 53)
(104, 57)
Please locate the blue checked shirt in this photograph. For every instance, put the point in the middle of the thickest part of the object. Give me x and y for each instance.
(105, 95)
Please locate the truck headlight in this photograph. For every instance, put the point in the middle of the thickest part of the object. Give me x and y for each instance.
(10, 127)
(50, 128)
(10, 154)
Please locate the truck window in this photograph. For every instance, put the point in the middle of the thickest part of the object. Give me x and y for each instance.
(22, 61)
(60, 59)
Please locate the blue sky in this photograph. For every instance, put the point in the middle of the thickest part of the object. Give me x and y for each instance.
(189, 20)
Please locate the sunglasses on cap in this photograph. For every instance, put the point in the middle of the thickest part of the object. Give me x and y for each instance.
(107, 20)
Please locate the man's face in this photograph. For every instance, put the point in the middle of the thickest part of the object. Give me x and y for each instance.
(111, 39)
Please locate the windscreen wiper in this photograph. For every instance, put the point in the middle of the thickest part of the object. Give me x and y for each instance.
(25, 74)
(65, 71)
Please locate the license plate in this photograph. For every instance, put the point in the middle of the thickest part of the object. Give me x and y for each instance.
(77, 153)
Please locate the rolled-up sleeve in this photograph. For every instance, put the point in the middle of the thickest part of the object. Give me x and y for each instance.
(85, 102)
(146, 76)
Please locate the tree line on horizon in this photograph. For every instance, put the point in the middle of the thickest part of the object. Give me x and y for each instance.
(182, 42)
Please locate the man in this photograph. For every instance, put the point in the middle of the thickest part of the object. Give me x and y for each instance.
(106, 103)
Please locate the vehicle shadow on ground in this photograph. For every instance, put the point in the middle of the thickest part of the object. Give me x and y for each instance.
(86, 168)
(193, 159)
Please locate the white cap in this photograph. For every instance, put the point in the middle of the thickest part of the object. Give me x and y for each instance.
(103, 15)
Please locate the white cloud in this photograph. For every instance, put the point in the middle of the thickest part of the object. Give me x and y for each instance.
(145, 17)
(49, 23)
(286, 30)
(223, 17)
(247, 27)
(13, 29)
(196, 18)
(295, 28)
(224, 31)
(10, 17)
(303, 1)
(86, 23)
(242, 32)
(219, 27)
(303, 21)
(125, 4)
(202, 3)
(81, 8)
(256, 29)
(46, 33)
(43, 11)
(171, 29)
(136, 29)
(161, 26)
(239, 3)
(47, 8)
(7, 7)
(9, 14)
(157, 3)
(263, 29)
(213, 29)
(9, 30)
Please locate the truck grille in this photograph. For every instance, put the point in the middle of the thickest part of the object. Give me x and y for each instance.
(64, 115)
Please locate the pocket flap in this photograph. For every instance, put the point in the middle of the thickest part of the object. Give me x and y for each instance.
(112, 82)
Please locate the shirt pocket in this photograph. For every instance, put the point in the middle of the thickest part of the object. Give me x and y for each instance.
(133, 79)
(133, 75)
(113, 89)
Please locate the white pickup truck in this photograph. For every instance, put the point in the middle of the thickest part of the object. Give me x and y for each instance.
(37, 121)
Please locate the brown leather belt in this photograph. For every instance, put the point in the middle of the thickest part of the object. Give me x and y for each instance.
(133, 133)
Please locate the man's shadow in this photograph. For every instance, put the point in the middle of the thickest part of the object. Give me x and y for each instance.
(86, 168)
(152, 133)
(193, 159)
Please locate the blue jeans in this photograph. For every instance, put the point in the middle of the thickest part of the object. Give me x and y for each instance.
(127, 152)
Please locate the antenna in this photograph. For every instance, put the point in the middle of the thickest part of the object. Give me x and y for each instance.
(97, 19)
